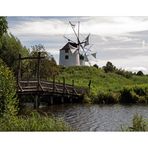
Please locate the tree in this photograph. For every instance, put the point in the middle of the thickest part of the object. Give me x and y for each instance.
(96, 66)
(10, 49)
(48, 67)
(109, 67)
(3, 25)
(140, 73)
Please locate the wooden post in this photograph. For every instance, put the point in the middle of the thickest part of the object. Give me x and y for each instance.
(53, 83)
(19, 73)
(73, 83)
(36, 102)
(63, 84)
(38, 70)
(62, 99)
(73, 86)
(89, 84)
(51, 100)
(19, 69)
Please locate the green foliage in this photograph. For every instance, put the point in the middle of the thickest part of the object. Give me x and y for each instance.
(134, 94)
(109, 67)
(10, 48)
(140, 73)
(95, 65)
(48, 66)
(128, 96)
(105, 98)
(33, 122)
(124, 73)
(8, 101)
(3, 25)
(138, 124)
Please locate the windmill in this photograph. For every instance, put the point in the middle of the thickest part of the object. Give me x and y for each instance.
(76, 53)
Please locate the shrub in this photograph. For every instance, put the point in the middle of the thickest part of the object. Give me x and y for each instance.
(105, 98)
(8, 101)
(128, 96)
(126, 74)
(140, 91)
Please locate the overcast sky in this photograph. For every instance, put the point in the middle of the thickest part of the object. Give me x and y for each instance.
(121, 40)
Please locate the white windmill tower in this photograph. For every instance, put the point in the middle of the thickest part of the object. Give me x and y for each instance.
(75, 53)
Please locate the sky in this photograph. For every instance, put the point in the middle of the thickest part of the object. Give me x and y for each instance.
(118, 39)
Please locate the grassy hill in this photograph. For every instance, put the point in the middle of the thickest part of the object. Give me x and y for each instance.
(104, 83)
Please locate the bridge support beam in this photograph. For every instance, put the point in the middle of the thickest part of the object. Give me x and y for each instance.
(70, 99)
(36, 102)
(51, 100)
(62, 99)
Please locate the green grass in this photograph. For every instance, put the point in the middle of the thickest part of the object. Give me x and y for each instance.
(138, 124)
(33, 122)
(104, 84)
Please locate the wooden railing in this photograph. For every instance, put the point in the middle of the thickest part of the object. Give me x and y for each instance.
(45, 86)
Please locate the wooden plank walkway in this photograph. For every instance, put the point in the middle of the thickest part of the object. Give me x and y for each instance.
(30, 87)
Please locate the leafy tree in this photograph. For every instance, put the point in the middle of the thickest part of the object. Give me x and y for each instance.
(109, 67)
(48, 67)
(96, 66)
(140, 73)
(10, 48)
(8, 101)
(3, 25)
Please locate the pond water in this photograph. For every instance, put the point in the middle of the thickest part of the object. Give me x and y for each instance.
(82, 117)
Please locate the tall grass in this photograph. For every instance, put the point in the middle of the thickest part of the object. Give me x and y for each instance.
(33, 122)
(138, 124)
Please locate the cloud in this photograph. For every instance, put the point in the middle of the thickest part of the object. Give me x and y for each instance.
(121, 40)
(94, 25)
(136, 69)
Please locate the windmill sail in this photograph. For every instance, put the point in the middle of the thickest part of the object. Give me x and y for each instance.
(73, 25)
(94, 54)
(87, 40)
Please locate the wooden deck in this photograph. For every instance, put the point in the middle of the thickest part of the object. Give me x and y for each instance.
(49, 92)
(44, 87)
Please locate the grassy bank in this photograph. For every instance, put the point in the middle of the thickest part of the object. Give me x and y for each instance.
(107, 87)
(33, 122)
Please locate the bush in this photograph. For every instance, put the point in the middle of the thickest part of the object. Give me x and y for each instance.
(105, 98)
(128, 96)
(8, 101)
(140, 91)
(126, 74)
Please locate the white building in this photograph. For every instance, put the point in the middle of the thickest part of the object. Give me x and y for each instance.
(70, 56)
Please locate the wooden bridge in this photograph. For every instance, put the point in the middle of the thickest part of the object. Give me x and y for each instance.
(47, 91)
(45, 87)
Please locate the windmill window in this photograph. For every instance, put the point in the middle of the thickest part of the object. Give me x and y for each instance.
(66, 57)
